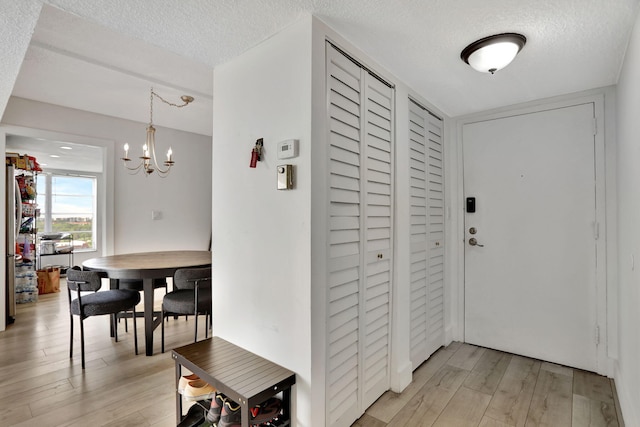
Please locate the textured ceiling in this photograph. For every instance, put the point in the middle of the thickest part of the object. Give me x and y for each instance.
(100, 56)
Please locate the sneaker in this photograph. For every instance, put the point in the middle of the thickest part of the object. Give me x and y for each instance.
(230, 415)
(213, 415)
(198, 390)
(184, 380)
(266, 411)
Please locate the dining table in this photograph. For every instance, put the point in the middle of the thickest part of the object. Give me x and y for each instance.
(147, 266)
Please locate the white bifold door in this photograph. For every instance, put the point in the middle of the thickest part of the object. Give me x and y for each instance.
(360, 114)
(427, 232)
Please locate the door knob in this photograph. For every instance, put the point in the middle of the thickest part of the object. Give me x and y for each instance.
(474, 242)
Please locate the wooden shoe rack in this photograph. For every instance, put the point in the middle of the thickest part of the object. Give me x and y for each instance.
(242, 376)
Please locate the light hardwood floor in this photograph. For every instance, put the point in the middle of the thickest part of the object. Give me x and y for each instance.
(464, 385)
(40, 385)
(460, 385)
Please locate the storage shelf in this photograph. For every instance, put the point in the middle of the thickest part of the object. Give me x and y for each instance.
(66, 237)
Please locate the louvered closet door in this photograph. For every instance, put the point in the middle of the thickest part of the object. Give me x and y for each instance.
(360, 238)
(378, 237)
(343, 382)
(427, 233)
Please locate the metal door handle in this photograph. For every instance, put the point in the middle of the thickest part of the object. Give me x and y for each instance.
(474, 242)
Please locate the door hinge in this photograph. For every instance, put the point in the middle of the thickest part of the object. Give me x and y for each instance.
(596, 230)
(595, 126)
(597, 335)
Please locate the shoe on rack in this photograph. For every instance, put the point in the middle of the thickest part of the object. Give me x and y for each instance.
(213, 415)
(230, 415)
(260, 414)
(184, 380)
(198, 390)
(266, 411)
(194, 417)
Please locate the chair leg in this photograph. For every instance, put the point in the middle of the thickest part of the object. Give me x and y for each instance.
(135, 330)
(82, 339)
(196, 322)
(115, 326)
(71, 337)
(162, 328)
(206, 325)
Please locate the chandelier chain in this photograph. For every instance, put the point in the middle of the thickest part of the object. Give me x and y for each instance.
(186, 99)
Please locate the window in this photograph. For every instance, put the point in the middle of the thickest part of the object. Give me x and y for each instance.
(68, 204)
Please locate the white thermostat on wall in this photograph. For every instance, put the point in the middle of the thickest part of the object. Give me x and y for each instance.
(288, 149)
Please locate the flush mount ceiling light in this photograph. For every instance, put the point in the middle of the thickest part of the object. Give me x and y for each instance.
(493, 53)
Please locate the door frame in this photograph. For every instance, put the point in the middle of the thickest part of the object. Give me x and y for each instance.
(606, 293)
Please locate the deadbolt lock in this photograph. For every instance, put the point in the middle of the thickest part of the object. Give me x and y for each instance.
(473, 230)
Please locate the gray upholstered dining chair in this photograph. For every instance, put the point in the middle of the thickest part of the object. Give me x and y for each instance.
(191, 295)
(94, 303)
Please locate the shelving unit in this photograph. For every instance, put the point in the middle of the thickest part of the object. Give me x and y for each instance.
(50, 244)
(27, 234)
(25, 279)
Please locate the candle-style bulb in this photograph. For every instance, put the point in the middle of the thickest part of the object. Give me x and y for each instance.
(169, 154)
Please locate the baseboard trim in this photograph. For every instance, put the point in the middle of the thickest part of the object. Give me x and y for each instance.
(629, 411)
(402, 378)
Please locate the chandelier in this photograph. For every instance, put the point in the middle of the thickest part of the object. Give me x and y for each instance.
(148, 162)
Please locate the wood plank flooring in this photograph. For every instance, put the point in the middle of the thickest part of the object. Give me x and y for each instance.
(41, 386)
(463, 385)
(460, 385)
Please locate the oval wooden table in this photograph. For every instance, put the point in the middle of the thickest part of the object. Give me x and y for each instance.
(147, 266)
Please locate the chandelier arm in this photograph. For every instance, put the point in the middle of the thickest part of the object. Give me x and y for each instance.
(136, 169)
(158, 168)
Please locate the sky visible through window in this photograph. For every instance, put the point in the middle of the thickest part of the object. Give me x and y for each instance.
(71, 208)
(71, 196)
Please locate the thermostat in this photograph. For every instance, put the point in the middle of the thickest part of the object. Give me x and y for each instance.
(288, 149)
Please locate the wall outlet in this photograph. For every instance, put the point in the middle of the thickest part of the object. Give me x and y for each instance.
(155, 215)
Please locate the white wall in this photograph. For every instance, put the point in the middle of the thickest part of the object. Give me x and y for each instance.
(627, 372)
(262, 259)
(183, 198)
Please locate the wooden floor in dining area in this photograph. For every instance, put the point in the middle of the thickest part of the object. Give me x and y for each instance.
(40, 385)
(460, 385)
(464, 385)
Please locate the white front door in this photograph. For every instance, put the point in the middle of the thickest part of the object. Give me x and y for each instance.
(530, 281)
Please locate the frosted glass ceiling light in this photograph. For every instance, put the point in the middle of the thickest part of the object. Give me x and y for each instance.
(493, 53)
